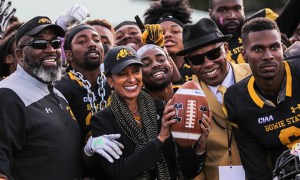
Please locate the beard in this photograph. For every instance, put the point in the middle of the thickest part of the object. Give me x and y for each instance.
(46, 74)
(92, 64)
(235, 32)
(155, 86)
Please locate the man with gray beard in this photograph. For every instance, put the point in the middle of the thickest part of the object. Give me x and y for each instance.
(39, 137)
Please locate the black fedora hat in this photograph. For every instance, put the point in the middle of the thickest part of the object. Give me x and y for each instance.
(203, 33)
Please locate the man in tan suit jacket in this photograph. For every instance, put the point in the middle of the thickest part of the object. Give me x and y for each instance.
(205, 48)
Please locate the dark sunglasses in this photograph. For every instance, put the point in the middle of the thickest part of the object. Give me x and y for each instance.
(43, 44)
(199, 59)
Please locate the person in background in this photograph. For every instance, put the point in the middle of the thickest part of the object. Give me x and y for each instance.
(6, 16)
(8, 58)
(40, 138)
(106, 32)
(286, 43)
(205, 49)
(264, 107)
(172, 16)
(128, 33)
(292, 52)
(296, 35)
(229, 15)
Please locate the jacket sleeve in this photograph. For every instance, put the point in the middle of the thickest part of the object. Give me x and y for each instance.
(12, 133)
(135, 164)
(132, 165)
(190, 163)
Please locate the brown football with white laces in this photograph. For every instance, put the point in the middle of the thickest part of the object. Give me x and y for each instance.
(190, 104)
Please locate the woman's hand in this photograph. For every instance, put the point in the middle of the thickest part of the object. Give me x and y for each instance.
(200, 145)
(167, 120)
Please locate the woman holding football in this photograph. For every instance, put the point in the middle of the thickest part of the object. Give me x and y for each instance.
(149, 151)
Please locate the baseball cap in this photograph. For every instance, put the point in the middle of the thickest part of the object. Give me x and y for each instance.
(119, 57)
(36, 25)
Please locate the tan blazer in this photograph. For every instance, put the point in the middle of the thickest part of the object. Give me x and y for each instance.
(217, 142)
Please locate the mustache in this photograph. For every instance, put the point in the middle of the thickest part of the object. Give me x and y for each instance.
(92, 51)
(232, 22)
(267, 64)
(51, 55)
(155, 70)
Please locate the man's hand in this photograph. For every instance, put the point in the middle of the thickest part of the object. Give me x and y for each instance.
(104, 145)
(5, 15)
(73, 16)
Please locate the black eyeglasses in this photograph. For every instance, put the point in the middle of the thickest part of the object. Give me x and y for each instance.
(199, 59)
(42, 44)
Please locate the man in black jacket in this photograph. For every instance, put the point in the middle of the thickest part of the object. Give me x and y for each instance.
(40, 139)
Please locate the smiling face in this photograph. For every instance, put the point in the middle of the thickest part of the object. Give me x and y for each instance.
(44, 64)
(87, 50)
(211, 72)
(173, 36)
(229, 15)
(129, 35)
(264, 55)
(128, 82)
(107, 37)
(157, 70)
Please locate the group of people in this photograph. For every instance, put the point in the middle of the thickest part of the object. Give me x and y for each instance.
(93, 101)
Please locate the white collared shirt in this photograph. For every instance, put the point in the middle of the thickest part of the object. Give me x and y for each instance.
(228, 81)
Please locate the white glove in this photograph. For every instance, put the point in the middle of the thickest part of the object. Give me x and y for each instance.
(104, 145)
(73, 16)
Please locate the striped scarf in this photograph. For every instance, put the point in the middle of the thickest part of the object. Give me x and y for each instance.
(140, 136)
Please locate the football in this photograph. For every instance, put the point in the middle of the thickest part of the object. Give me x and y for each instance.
(190, 104)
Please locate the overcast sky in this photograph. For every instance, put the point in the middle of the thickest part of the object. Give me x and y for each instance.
(114, 11)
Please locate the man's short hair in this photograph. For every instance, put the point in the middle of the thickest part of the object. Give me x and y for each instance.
(102, 22)
(256, 25)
